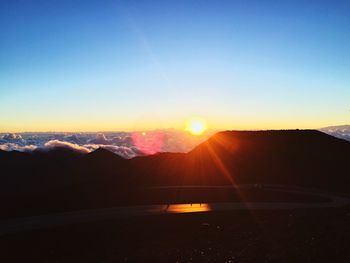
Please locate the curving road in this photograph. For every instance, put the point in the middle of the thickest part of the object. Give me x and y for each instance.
(45, 221)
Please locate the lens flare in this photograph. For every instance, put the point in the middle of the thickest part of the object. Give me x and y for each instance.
(148, 142)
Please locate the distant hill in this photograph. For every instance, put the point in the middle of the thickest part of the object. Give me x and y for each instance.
(341, 131)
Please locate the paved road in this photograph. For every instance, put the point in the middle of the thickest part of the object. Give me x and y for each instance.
(44, 221)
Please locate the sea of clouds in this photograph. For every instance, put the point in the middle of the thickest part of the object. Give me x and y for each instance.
(125, 144)
(341, 131)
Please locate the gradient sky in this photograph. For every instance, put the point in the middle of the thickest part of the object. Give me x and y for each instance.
(125, 65)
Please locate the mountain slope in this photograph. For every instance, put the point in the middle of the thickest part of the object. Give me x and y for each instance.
(308, 158)
(298, 157)
(61, 180)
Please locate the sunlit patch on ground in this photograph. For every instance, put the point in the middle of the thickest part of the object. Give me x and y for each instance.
(188, 208)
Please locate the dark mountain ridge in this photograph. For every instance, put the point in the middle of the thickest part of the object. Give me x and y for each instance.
(300, 157)
(64, 178)
(306, 158)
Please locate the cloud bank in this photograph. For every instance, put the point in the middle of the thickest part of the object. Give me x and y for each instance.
(125, 144)
(62, 144)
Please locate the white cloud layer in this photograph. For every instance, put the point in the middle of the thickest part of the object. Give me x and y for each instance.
(121, 143)
(61, 144)
(16, 147)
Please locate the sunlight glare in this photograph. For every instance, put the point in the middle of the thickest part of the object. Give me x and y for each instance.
(196, 127)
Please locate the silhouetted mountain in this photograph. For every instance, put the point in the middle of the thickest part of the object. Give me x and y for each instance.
(99, 166)
(308, 158)
(289, 157)
(103, 154)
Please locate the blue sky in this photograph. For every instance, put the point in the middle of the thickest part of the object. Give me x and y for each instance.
(123, 65)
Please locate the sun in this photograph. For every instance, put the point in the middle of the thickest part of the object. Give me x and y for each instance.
(196, 127)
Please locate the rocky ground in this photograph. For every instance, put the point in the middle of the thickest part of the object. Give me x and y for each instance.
(316, 235)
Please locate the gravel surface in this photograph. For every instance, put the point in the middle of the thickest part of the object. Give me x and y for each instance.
(317, 235)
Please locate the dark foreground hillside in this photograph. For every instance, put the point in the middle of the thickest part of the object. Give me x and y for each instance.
(44, 181)
(303, 236)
